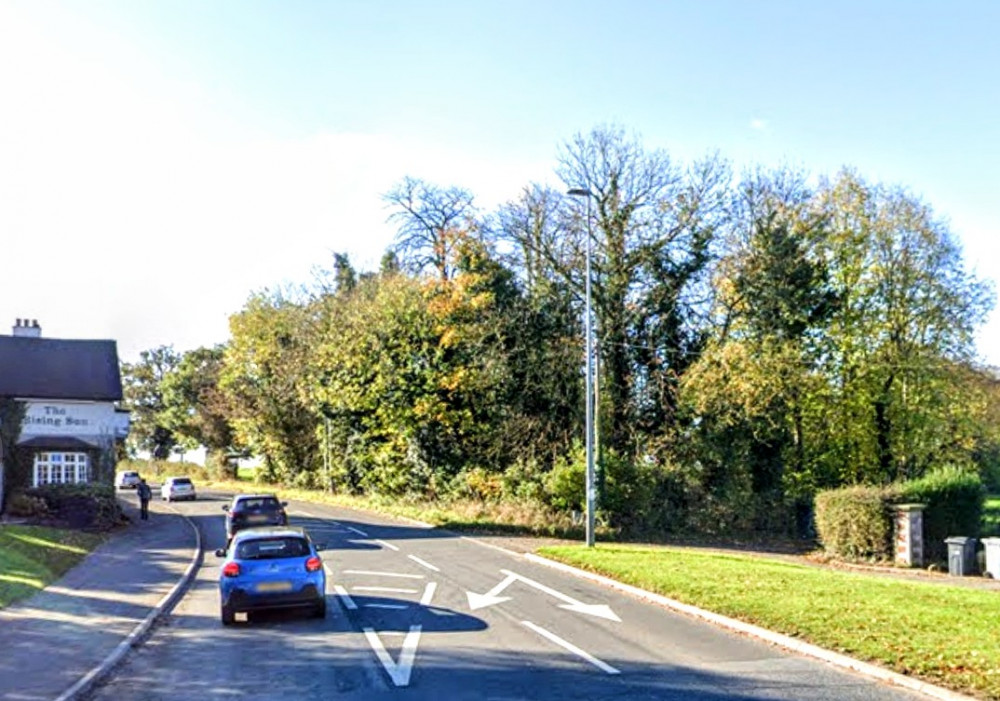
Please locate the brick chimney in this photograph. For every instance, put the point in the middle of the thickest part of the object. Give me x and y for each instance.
(27, 328)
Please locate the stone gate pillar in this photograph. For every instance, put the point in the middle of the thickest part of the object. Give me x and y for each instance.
(910, 534)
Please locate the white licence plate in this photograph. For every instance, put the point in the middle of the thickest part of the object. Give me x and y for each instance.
(274, 586)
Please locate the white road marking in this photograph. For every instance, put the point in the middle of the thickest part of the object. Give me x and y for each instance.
(355, 530)
(391, 607)
(384, 574)
(399, 671)
(389, 589)
(345, 597)
(599, 610)
(429, 590)
(387, 545)
(600, 664)
(478, 601)
(423, 563)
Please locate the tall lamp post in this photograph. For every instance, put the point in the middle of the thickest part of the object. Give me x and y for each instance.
(589, 351)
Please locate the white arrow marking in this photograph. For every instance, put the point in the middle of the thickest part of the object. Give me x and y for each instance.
(398, 671)
(599, 610)
(478, 601)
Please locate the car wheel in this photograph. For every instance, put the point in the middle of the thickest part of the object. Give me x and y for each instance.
(320, 610)
(227, 615)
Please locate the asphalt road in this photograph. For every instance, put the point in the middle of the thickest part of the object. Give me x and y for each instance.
(417, 613)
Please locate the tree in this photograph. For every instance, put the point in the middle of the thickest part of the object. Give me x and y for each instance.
(143, 396)
(653, 223)
(428, 218)
(264, 377)
(904, 327)
(195, 407)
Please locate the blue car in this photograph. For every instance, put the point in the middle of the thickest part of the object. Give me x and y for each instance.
(271, 567)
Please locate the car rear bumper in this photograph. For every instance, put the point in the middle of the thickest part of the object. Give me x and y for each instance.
(240, 600)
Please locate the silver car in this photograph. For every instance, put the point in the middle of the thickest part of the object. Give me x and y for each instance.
(177, 488)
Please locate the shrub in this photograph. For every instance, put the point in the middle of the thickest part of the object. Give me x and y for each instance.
(564, 486)
(86, 506)
(955, 499)
(27, 506)
(856, 522)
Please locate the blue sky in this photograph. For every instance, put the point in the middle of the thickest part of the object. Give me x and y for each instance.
(161, 160)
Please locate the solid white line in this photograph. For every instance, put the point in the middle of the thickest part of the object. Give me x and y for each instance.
(385, 574)
(785, 641)
(600, 664)
(345, 597)
(389, 589)
(387, 545)
(423, 563)
(429, 590)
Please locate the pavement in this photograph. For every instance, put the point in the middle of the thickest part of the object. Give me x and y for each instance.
(61, 642)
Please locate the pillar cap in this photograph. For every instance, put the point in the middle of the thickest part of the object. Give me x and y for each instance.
(910, 507)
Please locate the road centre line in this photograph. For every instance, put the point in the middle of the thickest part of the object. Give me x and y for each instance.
(345, 597)
(600, 664)
(386, 589)
(423, 563)
(387, 545)
(385, 574)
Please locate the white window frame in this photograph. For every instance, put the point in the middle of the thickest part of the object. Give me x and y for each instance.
(58, 467)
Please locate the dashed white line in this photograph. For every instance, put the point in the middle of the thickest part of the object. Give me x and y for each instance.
(423, 563)
(600, 664)
(429, 590)
(345, 597)
(386, 589)
(355, 530)
(391, 607)
(384, 574)
(387, 545)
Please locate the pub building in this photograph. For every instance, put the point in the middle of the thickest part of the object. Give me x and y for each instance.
(71, 390)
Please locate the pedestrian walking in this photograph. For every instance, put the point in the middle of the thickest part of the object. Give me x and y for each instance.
(145, 494)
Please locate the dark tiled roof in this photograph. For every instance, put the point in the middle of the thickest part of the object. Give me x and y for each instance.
(52, 368)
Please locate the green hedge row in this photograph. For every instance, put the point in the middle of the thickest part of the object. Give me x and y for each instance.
(857, 523)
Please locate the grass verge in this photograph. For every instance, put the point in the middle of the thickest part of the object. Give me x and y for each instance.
(946, 635)
(32, 557)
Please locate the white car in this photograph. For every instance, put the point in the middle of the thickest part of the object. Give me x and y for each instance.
(127, 479)
(176, 488)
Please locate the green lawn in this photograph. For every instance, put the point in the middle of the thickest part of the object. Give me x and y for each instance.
(32, 557)
(944, 634)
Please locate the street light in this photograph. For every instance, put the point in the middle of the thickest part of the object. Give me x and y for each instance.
(589, 400)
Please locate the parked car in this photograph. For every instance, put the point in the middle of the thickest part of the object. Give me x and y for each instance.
(127, 479)
(271, 568)
(177, 488)
(248, 510)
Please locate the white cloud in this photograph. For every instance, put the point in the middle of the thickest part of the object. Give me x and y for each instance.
(758, 124)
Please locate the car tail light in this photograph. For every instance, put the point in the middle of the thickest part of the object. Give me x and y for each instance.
(313, 564)
(231, 569)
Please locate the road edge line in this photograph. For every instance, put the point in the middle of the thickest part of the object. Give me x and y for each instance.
(803, 648)
(86, 683)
